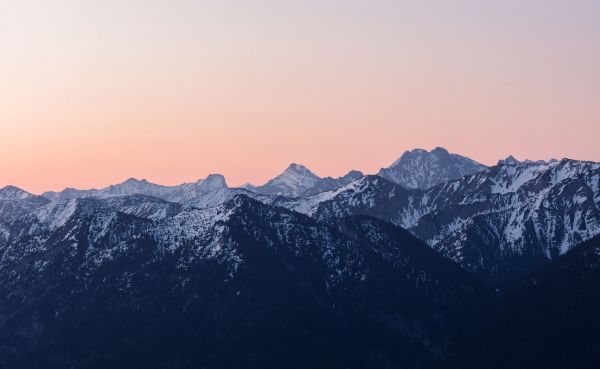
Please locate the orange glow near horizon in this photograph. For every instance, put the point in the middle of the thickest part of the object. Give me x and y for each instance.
(97, 92)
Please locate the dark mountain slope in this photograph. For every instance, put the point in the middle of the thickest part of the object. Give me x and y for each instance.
(548, 320)
(241, 285)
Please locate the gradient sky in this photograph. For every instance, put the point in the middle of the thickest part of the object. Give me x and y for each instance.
(94, 92)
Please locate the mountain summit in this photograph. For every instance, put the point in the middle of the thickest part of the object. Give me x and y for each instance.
(298, 181)
(14, 193)
(420, 169)
(292, 182)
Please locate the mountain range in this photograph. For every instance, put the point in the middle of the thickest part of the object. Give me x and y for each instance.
(414, 169)
(437, 262)
(134, 186)
(240, 271)
(498, 223)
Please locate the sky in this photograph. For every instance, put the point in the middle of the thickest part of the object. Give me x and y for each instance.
(95, 92)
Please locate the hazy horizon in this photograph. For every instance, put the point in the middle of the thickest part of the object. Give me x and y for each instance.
(98, 92)
(41, 191)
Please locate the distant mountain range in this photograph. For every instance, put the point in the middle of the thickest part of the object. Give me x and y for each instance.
(134, 186)
(437, 262)
(414, 169)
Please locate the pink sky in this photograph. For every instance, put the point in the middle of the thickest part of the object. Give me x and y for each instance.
(97, 92)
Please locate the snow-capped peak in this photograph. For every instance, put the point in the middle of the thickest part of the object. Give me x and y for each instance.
(299, 170)
(14, 193)
(291, 182)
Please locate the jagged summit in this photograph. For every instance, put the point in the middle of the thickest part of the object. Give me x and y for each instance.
(355, 174)
(422, 169)
(510, 160)
(297, 181)
(300, 169)
(293, 181)
(439, 152)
